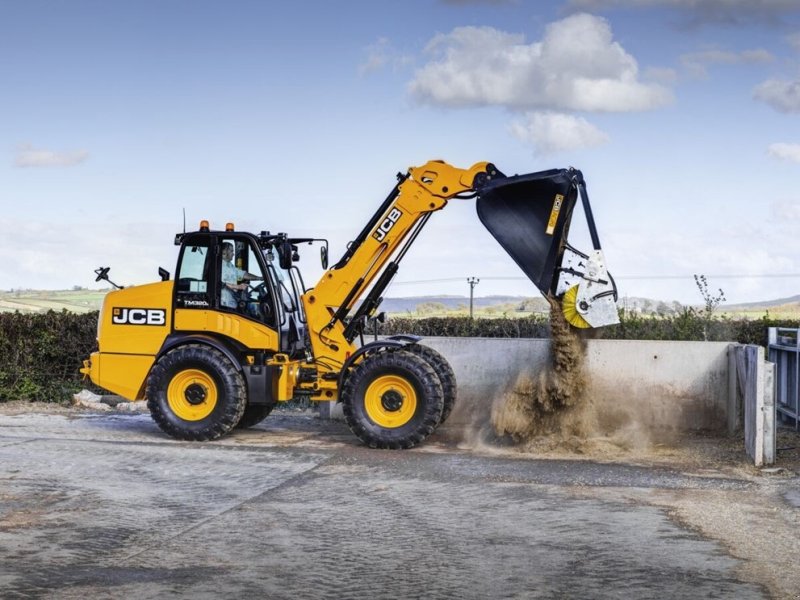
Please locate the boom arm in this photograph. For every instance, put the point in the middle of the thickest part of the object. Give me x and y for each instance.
(388, 234)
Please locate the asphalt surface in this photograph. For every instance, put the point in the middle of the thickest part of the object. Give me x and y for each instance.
(106, 506)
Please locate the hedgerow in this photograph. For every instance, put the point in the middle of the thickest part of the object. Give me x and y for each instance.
(687, 325)
(42, 353)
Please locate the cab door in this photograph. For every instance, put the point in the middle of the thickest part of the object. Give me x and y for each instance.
(244, 285)
(199, 306)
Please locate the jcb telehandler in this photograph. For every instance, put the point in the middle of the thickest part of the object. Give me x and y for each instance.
(210, 354)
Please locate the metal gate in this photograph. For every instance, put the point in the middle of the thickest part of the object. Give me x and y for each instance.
(784, 350)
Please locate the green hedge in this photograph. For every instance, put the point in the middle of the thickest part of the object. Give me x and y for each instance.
(42, 353)
(688, 325)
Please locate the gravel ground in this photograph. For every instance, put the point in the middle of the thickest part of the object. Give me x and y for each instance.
(101, 504)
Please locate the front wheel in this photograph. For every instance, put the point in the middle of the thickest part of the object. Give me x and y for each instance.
(392, 399)
(195, 393)
(444, 371)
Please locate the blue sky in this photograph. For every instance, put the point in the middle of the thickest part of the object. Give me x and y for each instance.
(682, 114)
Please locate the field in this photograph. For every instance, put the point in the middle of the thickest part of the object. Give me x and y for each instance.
(790, 311)
(37, 301)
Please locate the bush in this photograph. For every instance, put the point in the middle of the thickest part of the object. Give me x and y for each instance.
(685, 325)
(42, 354)
(535, 326)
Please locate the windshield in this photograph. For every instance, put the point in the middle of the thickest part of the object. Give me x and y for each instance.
(283, 283)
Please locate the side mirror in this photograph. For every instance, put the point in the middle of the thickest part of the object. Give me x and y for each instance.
(163, 273)
(285, 255)
(323, 257)
(102, 275)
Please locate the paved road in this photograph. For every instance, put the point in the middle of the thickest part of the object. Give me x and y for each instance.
(105, 506)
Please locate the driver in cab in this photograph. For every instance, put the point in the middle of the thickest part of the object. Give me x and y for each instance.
(233, 278)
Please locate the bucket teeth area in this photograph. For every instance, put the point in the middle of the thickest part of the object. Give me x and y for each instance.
(569, 306)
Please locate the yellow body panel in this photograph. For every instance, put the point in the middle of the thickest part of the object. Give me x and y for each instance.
(136, 320)
(250, 333)
(133, 325)
(122, 374)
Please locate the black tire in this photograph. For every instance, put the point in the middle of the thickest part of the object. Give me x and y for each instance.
(392, 399)
(195, 393)
(254, 414)
(447, 376)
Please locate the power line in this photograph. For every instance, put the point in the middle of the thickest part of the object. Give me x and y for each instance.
(620, 277)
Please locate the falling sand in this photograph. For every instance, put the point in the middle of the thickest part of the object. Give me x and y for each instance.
(551, 409)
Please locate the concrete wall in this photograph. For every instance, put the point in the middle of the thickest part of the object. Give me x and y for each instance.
(658, 385)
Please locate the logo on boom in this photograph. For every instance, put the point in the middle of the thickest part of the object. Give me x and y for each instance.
(138, 316)
(388, 223)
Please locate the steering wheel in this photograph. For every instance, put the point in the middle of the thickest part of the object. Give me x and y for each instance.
(262, 292)
(260, 289)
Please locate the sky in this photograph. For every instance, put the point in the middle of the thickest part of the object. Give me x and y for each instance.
(117, 118)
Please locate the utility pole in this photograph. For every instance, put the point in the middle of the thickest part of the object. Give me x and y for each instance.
(472, 281)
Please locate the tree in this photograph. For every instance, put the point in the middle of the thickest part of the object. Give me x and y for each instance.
(710, 300)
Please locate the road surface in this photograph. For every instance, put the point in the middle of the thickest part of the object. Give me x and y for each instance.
(103, 505)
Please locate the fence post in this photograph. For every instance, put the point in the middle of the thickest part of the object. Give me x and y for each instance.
(768, 414)
(734, 395)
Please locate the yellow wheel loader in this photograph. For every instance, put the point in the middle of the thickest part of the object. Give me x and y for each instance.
(236, 331)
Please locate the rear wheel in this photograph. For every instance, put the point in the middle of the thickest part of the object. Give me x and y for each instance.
(447, 376)
(392, 399)
(195, 393)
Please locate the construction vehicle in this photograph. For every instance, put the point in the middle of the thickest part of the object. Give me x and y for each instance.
(207, 365)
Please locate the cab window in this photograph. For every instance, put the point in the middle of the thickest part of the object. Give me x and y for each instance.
(192, 284)
(242, 287)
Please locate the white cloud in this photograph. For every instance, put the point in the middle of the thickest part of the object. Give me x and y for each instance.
(702, 12)
(554, 132)
(376, 57)
(786, 211)
(790, 152)
(697, 63)
(780, 94)
(576, 66)
(28, 156)
(381, 55)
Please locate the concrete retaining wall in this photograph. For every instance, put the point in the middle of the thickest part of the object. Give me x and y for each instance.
(660, 385)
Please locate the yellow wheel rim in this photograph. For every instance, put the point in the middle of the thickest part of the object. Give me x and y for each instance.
(390, 401)
(570, 309)
(192, 395)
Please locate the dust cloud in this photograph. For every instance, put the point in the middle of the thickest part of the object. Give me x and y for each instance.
(551, 410)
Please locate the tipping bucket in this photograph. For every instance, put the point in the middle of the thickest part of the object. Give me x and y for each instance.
(529, 215)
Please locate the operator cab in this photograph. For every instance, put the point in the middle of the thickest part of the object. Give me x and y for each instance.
(234, 272)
